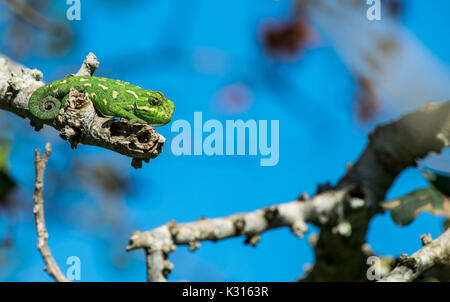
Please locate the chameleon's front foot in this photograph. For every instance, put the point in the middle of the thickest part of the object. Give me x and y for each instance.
(136, 121)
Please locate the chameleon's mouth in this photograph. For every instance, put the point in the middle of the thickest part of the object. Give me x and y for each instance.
(171, 108)
(156, 115)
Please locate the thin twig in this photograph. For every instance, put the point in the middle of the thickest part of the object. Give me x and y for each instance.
(51, 267)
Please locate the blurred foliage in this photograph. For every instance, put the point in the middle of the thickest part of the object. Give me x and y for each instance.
(7, 184)
(287, 39)
(405, 209)
(439, 180)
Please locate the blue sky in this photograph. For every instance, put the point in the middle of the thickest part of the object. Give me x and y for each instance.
(191, 51)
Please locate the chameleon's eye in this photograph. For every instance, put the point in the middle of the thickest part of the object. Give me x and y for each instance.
(155, 101)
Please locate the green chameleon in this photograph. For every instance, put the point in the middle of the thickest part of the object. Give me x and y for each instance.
(110, 97)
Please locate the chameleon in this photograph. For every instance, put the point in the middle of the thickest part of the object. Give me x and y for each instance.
(110, 97)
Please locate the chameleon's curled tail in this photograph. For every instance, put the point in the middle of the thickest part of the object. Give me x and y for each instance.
(44, 107)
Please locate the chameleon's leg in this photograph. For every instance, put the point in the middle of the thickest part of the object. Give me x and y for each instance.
(46, 108)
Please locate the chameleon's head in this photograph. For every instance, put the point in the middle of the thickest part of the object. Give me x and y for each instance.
(154, 108)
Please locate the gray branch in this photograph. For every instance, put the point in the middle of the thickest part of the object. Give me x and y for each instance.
(392, 148)
(78, 122)
(434, 253)
(51, 266)
(342, 213)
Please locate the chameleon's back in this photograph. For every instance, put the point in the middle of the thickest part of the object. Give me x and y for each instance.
(46, 102)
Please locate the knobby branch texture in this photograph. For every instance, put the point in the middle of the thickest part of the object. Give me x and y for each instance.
(78, 121)
(391, 149)
(434, 253)
(40, 164)
(158, 243)
(342, 212)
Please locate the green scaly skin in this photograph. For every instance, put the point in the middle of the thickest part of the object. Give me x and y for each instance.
(110, 97)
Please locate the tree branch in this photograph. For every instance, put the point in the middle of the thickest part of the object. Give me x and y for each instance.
(342, 213)
(51, 267)
(322, 209)
(392, 148)
(78, 122)
(434, 254)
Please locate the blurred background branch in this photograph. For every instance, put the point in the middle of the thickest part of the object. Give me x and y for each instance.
(32, 29)
(28, 14)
